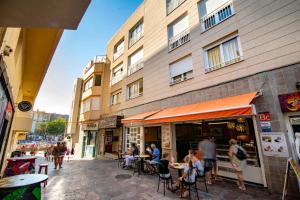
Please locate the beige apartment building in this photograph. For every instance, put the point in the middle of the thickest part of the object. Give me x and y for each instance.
(179, 71)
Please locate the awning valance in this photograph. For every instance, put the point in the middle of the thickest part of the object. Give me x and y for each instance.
(220, 108)
(138, 118)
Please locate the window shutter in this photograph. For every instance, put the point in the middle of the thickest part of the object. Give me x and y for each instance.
(182, 66)
(136, 57)
(208, 6)
(179, 26)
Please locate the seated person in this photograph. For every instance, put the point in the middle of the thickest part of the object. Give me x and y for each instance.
(135, 150)
(198, 165)
(155, 154)
(164, 166)
(188, 176)
(128, 158)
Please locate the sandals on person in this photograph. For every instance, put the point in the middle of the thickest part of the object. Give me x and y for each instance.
(242, 188)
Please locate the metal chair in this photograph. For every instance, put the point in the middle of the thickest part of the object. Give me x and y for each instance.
(190, 184)
(162, 172)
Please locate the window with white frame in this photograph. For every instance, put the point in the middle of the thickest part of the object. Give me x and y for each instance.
(95, 103)
(116, 97)
(119, 49)
(133, 136)
(117, 74)
(181, 70)
(135, 89)
(178, 32)
(88, 84)
(135, 61)
(136, 33)
(213, 12)
(173, 4)
(225, 53)
(85, 106)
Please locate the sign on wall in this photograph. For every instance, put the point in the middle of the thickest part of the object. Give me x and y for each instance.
(265, 121)
(90, 127)
(274, 144)
(290, 102)
(24, 106)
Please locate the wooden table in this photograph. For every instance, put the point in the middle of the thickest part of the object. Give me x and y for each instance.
(179, 167)
(23, 187)
(142, 157)
(20, 165)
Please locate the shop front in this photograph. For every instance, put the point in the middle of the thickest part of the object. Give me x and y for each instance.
(111, 132)
(90, 132)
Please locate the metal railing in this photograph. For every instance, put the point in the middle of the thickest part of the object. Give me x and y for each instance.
(118, 54)
(135, 38)
(172, 5)
(135, 67)
(97, 59)
(183, 77)
(224, 64)
(217, 16)
(179, 39)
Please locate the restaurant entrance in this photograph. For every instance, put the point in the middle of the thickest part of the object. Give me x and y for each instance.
(188, 135)
(152, 136)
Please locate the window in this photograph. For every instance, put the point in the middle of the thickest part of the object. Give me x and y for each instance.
(181, 70)
(136, 33)
(135, 61)
(135, 89)
(133, 136)
(95, 103)
(85, 106)
(117, 74)
(88, 84)
(178, 32)
(223, 54)
(97, 80)
(119, 49)
(173, 4)
(213, 12)
(116, 97)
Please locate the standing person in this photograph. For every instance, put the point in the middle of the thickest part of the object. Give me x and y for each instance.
(208, 147)
(62, 151)
(56, 153)
(237, 156)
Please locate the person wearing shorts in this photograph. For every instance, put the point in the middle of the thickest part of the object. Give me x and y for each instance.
(208, 148)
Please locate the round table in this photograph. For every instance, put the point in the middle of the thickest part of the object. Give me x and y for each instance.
(25, 186)
(142, 157)
(179, 167)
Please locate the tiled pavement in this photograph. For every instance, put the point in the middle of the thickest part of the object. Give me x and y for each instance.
(95, 180)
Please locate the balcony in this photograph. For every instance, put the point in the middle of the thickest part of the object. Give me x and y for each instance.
(217, 16)
(118, 54)
(179, 39)
(94, 91)
(97, 59)
(90, 115)
(117, 79)
(135, 67)
(224, 64)
(172, 5)
(135, 38)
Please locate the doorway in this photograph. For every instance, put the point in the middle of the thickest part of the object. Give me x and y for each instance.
(108, 141)
(152, 135)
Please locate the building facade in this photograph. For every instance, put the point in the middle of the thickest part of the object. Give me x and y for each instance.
(25, 54)
(184, 70)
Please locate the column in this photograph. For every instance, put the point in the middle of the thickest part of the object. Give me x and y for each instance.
(167, 131)
(142, 140)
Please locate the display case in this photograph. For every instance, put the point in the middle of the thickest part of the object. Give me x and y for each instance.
(252, 160)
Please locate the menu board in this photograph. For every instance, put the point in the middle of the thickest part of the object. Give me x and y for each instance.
(274, 144)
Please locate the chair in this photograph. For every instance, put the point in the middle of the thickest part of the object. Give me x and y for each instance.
(200, 176)
(162, 172)
(189, 185)
(120, 159)
(136, 166)
(41, 167)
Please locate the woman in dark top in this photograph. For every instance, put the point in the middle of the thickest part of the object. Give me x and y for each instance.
(164, 166)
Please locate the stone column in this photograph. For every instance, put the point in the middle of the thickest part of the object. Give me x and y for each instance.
(101, 142)
(142, 140)
(167, 132)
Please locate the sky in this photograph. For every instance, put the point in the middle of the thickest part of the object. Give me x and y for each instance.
(76, 48)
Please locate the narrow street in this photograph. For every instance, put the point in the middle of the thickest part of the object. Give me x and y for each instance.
(96, 179)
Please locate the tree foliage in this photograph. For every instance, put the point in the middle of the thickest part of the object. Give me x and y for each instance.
(55, 127)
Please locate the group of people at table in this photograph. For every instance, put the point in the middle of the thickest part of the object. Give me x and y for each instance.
(197, 163)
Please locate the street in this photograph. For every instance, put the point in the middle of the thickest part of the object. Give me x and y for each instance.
(96, 179)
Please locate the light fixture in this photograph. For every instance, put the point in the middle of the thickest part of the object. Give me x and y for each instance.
(231, 125)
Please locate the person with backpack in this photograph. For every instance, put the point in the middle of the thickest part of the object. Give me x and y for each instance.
(238, 156)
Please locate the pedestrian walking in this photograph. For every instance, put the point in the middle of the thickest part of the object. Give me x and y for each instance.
(238, 156)
(56, 154)
(62, 152)
(208, 148)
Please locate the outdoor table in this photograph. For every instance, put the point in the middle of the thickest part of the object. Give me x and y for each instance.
(20, 165)
(22, 187)
(142, 157)
(179, 167)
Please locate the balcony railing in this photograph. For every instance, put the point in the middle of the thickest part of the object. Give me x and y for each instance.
(135, 38)
(172, 5)
(117, 79)
(183, 77)
(118, 53)
(217, 16)
(224, 64)
(97, 59)
(135, 67)
(179, 39)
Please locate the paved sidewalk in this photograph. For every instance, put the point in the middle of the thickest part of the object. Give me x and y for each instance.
(96, 180)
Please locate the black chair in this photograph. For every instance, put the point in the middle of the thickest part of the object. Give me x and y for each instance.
(136, 166)
(190, 184)
(200, 176)
(120, 160)
(163, 171)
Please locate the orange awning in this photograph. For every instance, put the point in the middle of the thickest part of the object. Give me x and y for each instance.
(220, 108)
(138, 118)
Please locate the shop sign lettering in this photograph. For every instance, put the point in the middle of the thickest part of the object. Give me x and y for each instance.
(263, 117)
(90, 126)
(265, 121)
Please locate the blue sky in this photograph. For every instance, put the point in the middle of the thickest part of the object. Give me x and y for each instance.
(101, 21)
